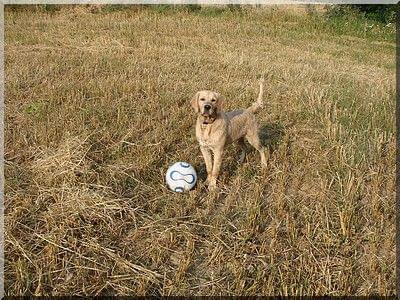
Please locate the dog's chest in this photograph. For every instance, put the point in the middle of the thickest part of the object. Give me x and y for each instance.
(209, 135)
(204, 135)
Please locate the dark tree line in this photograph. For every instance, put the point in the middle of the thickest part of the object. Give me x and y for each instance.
(385, 13)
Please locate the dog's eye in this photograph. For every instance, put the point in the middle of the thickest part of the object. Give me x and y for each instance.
(213, 100)
(202, 99)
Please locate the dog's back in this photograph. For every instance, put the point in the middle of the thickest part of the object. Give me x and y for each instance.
(239, 123)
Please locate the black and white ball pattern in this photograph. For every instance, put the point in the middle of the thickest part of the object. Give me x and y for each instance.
(181, 177)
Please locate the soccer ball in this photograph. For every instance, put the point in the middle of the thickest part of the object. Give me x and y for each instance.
(181, 177)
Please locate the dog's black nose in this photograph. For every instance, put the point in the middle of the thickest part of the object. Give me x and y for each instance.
(207, 107)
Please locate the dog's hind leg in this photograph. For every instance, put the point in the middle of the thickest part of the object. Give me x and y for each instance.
(242, 146)
(254, 140)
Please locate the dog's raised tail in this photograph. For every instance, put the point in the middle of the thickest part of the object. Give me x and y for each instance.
(256, 106)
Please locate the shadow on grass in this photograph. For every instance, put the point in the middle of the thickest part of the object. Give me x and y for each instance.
(271, 135)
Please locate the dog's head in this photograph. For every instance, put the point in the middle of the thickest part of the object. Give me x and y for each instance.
(207, 103)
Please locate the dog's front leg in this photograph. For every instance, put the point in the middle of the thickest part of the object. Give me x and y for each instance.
(208, 160)
(216, 166)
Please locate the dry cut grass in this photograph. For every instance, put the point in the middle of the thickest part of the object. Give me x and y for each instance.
(97, 109)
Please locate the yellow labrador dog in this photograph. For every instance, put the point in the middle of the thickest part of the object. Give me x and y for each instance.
(216, 128)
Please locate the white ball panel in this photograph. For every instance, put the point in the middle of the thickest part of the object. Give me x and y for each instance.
(181, 177)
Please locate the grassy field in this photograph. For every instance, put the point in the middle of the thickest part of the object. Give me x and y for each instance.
(97, 108)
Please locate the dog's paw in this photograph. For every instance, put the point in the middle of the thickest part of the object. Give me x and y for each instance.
(212, 189)
(212, 183)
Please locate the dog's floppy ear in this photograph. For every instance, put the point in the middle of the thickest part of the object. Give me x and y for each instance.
(194, 102)
(220, 102)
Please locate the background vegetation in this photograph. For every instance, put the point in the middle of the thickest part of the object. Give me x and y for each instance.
(382, 13)
(97, 108)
